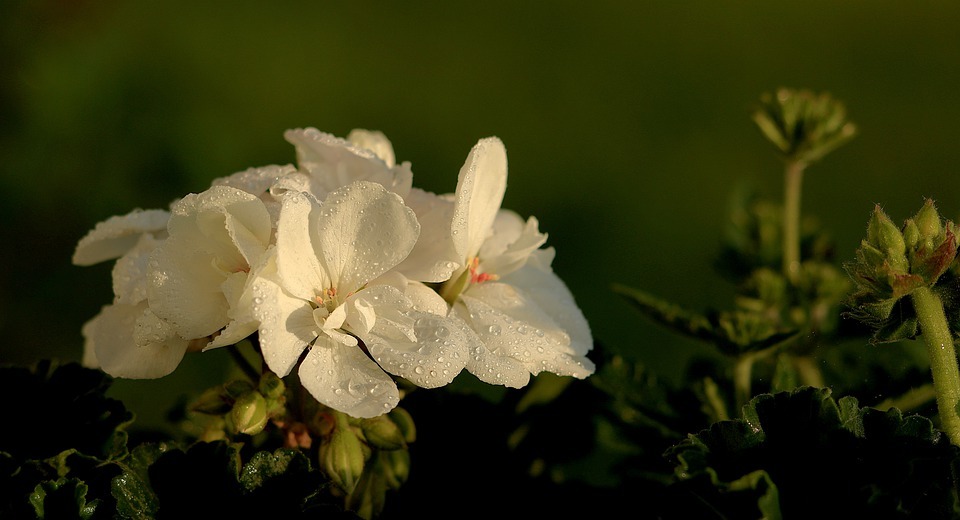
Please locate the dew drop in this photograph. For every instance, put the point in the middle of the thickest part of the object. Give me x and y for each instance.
(418, 370)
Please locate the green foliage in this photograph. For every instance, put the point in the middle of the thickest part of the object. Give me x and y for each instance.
(803, 454)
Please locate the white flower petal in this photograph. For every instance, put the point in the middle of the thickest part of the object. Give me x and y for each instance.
(550, 294)
(480, 188)
(345, 379)
(493, 368)
(185, 289)
(392, 311)
(117, 235)
(363, 232)
(132, 342)
(511, 326)
(255, 181)
(228, 223)
(374, 141)
(426, 299)
(434, 258)
(503, 255)
(130, 271)
(287, 326)
(433, 360)
(333, 163)
(298, 260)
(295, 182)
(236, 289)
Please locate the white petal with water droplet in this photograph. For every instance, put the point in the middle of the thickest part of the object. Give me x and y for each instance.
(434, 258)
(184, 289)
(512, 327)
(117, 235)
(433, 360)
(129, 341)
(299, 263)
(287, 325)
(332, 163)
(551, 295)
(130, 271)
(480, 188)
(363, 232)
(345, 379)
(255, 181)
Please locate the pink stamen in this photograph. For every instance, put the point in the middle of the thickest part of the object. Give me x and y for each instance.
(476, 277)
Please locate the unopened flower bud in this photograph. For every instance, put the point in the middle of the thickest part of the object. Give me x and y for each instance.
(249, 414)
(341, 457)
(883, 234)
(382, 433)
(911, 234)
(404, 421)
(928, 221)
(395, 467)
(271, 386)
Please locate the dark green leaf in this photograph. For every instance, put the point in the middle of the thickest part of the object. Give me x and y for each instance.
(54, 400)
(63, 498)
(135, 499)
(827, 459)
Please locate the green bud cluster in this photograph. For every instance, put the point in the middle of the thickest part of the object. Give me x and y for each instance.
(802, 125)
(365, 458)
(894, 261)
(240, 407)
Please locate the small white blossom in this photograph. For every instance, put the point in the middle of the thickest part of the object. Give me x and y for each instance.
(198, 276)
(126, 339)
(316, 293)
(523, 315)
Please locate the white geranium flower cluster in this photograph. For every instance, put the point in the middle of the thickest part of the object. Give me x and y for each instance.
(340, 265)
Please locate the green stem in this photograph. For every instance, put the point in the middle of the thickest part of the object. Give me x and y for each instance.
(793, 182)
(943, 358)
(810, 374)
(742, 379)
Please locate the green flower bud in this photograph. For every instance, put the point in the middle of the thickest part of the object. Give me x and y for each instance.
(369, 497)
(271, 386)
(404, 421)
(911, 234)
(341, 457)
(395, 467)
(382, 433)
(928, 221)
(883, 234)
(249, 414)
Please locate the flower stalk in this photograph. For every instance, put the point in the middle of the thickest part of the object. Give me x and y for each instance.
(742, 374)
(943, 358)
(793, 182)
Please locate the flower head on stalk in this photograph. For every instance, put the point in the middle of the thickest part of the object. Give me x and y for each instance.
(892, 262)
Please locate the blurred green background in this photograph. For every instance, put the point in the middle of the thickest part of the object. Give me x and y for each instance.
(627, 126)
